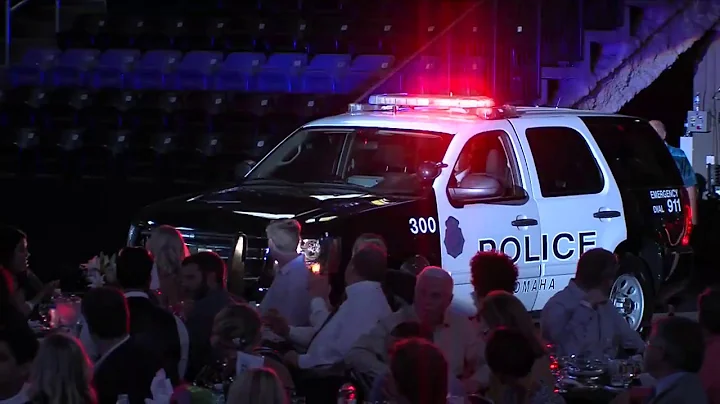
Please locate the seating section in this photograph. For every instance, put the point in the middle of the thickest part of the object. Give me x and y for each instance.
(220, 84)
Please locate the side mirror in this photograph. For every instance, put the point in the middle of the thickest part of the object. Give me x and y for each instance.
(476, 187)
(429, 170)
(242, 169)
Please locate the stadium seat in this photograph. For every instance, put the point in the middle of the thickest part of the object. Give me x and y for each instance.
(124, 31)
(156, 111)
(209, 35)
(87, 31)
(22, 106)
(200, 110)
(279, 6)
(153, 70)
(30, 71)
(111, 110)
(330, 33)
(235, 72)
(363, 69)
(280, 74)
(195, 70)
(168, 33)
(420, 76)
(113, 67)
(323, 73)
(63, 108)
(287, 34)
(310, 7)
(72, 66)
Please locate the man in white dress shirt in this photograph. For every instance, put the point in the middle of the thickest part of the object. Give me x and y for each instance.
(456, 335)
(357, 315)
(288, 294)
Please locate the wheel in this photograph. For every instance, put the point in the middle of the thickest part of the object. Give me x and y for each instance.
(631, 292)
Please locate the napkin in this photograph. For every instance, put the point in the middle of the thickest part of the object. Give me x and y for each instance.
(161, 389)
(246, 361)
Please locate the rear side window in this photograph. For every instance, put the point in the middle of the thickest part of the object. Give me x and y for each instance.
(564, 162)
(635, 153)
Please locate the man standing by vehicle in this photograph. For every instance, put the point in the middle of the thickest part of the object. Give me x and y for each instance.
(686, 171)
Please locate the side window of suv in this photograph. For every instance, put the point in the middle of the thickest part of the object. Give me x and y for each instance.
(564, 163)
(487, 154)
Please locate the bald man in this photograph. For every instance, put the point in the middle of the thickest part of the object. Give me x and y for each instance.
(683, 164)
(456, 335)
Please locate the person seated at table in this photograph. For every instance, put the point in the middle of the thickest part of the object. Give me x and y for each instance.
(418, 373)
(153, 327)
(288, 294)
(491, 270)
(580, 320)
(709, 318)
(257, 386)
(512, 356)
(61, 373)
(381, 389)
(501, 309)
(674, 356)
(454, 334)
(124, 367)
(236, 335)
(203, 279)
(29, 291)
(18, 347)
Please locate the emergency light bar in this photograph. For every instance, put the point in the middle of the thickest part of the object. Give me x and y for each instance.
(405, 100)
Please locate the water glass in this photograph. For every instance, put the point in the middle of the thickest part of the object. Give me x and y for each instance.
(618, 373)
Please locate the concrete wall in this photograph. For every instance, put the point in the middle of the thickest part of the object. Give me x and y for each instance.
(706, 82)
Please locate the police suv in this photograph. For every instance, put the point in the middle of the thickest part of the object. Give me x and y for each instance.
(445, 177)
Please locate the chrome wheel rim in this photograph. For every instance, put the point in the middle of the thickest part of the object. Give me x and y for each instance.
(628, 298)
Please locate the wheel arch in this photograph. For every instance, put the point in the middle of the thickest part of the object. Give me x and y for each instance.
(650, 253)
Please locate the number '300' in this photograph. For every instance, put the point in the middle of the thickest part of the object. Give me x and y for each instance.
(422, 225)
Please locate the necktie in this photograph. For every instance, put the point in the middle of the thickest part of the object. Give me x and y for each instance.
(327, 320)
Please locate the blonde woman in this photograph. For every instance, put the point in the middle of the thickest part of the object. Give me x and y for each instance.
(168, 249)
(236, 335)
(61, 373)
(501, 309)
(257, 386)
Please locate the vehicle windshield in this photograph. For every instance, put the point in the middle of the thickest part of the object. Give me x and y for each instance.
(379, 160)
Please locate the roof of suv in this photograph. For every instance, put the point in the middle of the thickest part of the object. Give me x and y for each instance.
(438, 120)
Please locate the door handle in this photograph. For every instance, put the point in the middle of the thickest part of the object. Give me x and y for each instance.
(524, 222)
(606, 214)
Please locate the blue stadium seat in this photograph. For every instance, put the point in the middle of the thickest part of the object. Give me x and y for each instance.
(195, 70)
(72, 66)
(280, 74)
(321, 75)
(330, 33)
(154, 68)
(420, 76)
(363, 69)
(112, 68)
(32, 67)
(88, 30)
(235, 72)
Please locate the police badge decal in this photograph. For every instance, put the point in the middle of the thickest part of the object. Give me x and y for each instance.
(454, 239)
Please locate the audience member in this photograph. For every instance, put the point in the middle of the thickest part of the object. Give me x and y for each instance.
(365, 306)
(492, 270)
(501, 309)
(419, 372)
(203, 279)
(61, 373)
(168, 249)
(579, 320)
(381, 389)
(395, 287)
(288, 294)
(415, 264)
(236, 334)
(29, 291)
(18, 347)
(124, 367)
(152, 327)
(9, 312)
(369, 239)
(454, 334)
(257, 386)
(674, 356)
(709, 317)
(512, 357)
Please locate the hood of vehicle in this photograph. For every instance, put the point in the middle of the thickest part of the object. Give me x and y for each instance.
(249, 209)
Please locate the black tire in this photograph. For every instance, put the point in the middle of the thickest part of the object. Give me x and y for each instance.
(634, 269)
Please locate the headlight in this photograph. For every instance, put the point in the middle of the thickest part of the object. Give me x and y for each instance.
(132, 232)
(310, 247)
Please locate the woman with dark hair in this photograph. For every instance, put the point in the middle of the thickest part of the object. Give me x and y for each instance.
(29, 291)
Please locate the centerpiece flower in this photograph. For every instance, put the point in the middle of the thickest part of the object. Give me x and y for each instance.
(100, 270)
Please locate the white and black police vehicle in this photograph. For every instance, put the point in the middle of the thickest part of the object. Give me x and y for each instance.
(445, 177)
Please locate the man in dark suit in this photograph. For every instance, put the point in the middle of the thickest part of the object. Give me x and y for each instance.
(673, 356)
(124, 366)
(203, 278)
(152, 327)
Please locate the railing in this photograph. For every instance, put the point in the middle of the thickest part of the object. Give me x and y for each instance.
(9, 9)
